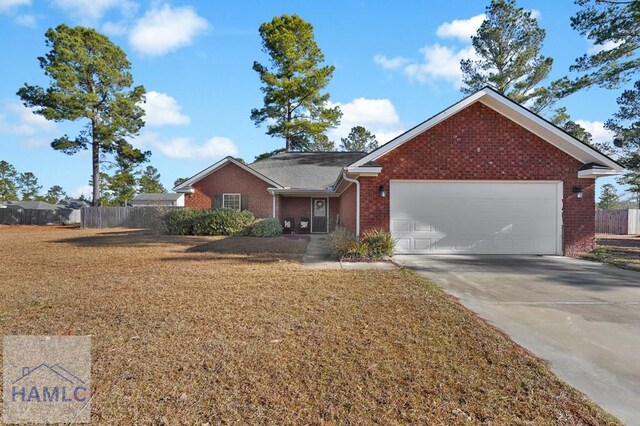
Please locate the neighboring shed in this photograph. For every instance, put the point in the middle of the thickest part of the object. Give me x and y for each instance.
(160, 199)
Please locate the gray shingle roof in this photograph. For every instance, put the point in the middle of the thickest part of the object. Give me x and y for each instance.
(305, 170)
(157, 197)
(33, 205)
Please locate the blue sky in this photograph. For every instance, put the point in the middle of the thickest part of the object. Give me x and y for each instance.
(397, 63)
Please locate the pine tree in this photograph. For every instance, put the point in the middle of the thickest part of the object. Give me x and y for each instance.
(295, 107)
(28, 184)
(509, 44)
(608, 197)
(150, 181)
(89, 79)
(54, 194)
(359, 139)
(613, 27)
(625, 125)
(8, 182)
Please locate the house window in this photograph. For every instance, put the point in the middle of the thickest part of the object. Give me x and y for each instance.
(231, 201)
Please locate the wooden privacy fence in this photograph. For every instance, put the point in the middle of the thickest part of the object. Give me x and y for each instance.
(620, 222)
(124, 217)
(18, 216)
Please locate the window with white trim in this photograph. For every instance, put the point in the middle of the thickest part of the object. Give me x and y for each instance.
(231, 201)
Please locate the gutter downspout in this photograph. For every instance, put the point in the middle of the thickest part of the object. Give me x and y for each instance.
(357, 182)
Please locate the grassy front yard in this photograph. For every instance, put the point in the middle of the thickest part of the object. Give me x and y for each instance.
(622, 251)
(186, 336)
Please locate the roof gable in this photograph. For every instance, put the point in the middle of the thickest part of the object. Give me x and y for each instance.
(186, 186)
(300, 170)
(514, 112)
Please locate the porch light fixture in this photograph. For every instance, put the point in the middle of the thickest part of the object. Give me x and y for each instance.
(578, 191)
(382, 192)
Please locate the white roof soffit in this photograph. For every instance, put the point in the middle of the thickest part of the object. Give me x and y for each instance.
(186, 185)
(512, 111)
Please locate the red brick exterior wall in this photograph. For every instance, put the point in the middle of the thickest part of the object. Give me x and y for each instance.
(232, 179)
(295, 207)
(478, 143)
(299, 207)
(347, 208)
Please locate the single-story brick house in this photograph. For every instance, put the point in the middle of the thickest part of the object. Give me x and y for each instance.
(485, 175)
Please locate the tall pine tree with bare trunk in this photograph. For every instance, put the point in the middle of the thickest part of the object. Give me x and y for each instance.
(296, 107)
(90, 80)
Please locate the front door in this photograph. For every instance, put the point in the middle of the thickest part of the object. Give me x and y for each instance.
(319, 214)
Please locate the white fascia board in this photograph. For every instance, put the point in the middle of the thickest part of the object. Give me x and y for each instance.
(367, 170)
(184, 189)
(206, 172)
(512, 111)
(596, 173)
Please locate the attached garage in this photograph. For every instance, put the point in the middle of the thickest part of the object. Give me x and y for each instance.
(476, 217)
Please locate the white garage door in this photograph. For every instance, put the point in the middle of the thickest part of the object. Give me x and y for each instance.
(476, 217)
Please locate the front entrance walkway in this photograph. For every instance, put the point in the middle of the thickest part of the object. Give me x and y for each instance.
(317, 256)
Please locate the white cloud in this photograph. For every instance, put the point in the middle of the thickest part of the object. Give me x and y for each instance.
(379, 116)
(184, 147)
(145, 139)
(93, 10)
(26, 20)
(535, 13)
(8, 5)
(86, 190)
(597, 130)
(440, 63)
(597, 48)
(214, 148)
(165, 29)
(390, 63)
(461, 29)
(114, 28)
(31, 128)
(161, 109)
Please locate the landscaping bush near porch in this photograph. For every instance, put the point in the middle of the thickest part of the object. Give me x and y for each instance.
(209, 222)
(375, 244)
(266, 228)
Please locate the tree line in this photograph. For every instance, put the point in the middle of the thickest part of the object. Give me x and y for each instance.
(90, 80)
(116, 189)
(16, 186)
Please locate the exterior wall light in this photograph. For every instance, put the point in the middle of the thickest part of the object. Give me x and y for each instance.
(578, 191)
(382, 191)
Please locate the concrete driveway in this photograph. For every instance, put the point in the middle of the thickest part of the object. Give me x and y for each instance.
(583, 317)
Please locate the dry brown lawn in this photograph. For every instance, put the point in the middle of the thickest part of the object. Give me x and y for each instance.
(622, 251)
(183, 337)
